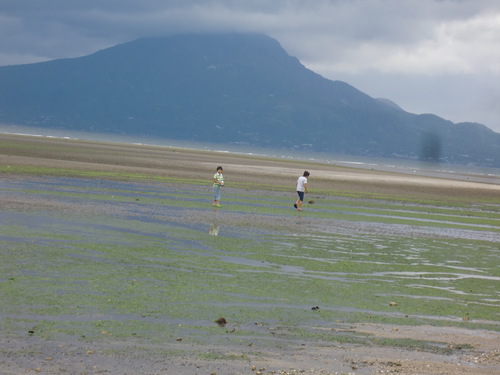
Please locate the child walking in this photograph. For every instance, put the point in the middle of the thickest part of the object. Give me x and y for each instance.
(218, 181)
(301, 189)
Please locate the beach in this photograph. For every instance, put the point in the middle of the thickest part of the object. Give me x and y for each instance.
(60, 179)
(189, 163)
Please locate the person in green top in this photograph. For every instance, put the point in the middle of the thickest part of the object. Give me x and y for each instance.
(218, 182)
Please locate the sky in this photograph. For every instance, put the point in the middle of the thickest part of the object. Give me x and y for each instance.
(427, 56)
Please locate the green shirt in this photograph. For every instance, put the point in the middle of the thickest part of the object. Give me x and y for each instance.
(218, 179)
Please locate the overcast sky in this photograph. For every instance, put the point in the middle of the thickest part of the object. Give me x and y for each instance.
(428, 56)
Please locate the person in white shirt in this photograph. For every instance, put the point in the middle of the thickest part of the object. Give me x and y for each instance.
(301, 189)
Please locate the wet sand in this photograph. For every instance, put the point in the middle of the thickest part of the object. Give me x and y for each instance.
(19, 153)
(253, 172)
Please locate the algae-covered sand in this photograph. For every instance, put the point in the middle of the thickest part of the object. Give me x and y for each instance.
(113, 260)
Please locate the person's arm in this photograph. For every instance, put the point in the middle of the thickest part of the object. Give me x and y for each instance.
(305, 187)
(217, 180)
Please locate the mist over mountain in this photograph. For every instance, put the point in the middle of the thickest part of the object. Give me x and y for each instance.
(229, 88)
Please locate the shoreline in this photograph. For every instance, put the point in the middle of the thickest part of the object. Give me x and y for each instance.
(384, 164)
(55, 154)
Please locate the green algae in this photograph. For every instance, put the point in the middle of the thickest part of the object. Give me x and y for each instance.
(445, 217)
(101, 276)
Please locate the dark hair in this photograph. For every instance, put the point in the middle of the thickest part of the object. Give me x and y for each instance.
(219, 167)
(306, 174)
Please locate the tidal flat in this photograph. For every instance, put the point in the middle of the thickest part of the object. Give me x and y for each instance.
(117, 261)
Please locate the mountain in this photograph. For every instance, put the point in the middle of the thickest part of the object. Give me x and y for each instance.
(228, 88)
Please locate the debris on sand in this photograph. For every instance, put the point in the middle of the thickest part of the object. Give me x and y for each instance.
(221, 322)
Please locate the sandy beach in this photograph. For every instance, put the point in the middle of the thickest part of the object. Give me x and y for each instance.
(27, 157)
(243, 169)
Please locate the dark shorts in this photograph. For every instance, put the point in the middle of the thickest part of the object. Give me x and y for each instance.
(301, 195)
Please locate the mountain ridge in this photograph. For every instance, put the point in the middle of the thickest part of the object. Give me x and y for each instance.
(229, 88)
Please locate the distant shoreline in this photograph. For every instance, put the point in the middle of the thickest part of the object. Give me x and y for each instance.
(411, 167)
(55, 155)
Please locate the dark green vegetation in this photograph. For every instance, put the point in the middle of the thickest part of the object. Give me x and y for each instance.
(99, 259)
(228, 88)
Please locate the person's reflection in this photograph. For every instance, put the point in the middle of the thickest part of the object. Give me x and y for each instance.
(213, 230)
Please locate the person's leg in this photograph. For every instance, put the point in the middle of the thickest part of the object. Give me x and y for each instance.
(216, 195)
(300, 200)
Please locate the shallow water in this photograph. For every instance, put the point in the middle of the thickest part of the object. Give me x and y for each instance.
(98, 253)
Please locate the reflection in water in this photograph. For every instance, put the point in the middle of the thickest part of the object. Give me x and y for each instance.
(213, 230)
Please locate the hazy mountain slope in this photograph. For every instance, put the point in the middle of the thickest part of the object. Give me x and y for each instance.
(238, 88)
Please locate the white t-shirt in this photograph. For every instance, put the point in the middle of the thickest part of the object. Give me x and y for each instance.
(300, 183)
